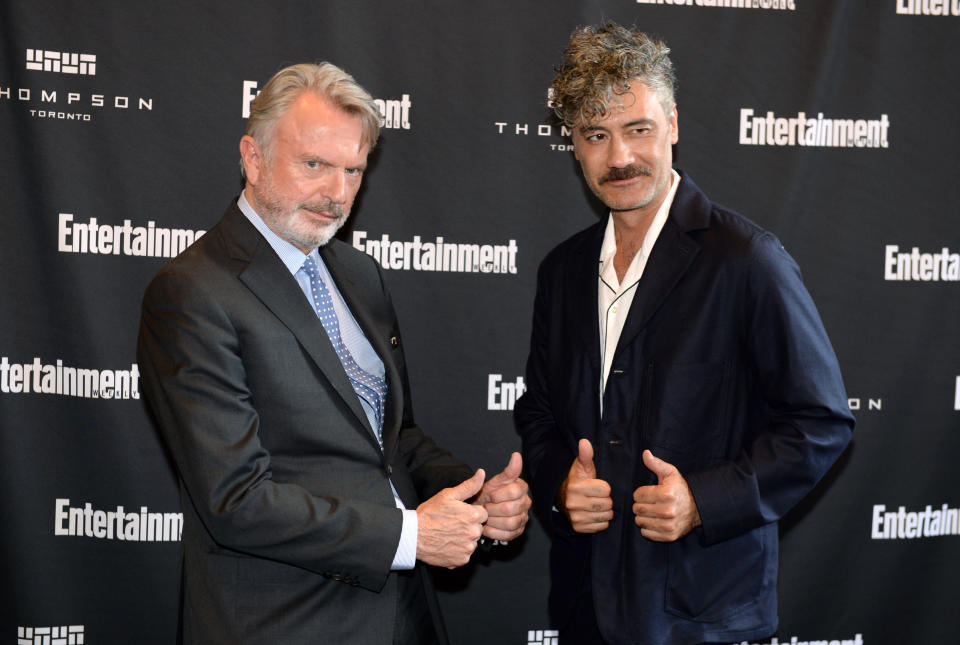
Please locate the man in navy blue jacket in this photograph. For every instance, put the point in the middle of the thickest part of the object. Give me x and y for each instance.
(682, 392)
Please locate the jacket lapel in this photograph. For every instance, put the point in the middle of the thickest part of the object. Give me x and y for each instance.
(581, 305)
(672, 255)
(270, 281)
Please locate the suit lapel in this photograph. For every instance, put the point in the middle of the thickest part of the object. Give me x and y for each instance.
(270, 281)
(581, 305)
(672, 255)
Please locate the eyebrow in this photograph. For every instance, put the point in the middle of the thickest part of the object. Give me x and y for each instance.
(629, 124)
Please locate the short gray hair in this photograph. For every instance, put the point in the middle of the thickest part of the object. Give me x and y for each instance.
(325, 79)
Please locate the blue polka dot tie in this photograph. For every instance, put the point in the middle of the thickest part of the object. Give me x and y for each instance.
(368, 387)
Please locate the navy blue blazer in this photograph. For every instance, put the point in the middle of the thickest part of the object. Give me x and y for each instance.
(723, 369)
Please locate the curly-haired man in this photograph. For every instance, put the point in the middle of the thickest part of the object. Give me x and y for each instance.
(668, 427)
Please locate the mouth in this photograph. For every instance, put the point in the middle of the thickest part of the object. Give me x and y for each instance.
(326, 212)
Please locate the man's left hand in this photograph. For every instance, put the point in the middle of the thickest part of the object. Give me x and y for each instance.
(505, 498)
(665, 512)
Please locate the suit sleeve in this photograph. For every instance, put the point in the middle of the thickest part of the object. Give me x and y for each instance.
(808, 418)
(194, 379)
(546, 456)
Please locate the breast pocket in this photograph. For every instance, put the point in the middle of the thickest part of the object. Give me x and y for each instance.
(688, 407)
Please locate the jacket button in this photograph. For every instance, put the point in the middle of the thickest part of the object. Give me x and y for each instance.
(390, 470)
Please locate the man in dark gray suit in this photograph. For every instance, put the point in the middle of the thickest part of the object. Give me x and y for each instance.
(273, 363)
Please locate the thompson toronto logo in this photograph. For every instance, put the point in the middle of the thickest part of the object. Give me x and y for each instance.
(858, 404)
(60, 635)
(914, 266)
(812, 132)
(115, 239)
(503, 395)
(56, 378)
(59, 102)
(779, 5)
(39, 60)
(395, 113)
(118, 524)
(543, 637)
(539, 131)
(928, 7)
(910, 525)
(438, 254)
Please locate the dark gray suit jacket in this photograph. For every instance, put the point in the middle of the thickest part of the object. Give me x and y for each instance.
(290, 526)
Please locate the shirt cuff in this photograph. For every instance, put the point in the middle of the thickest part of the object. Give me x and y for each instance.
(406, 556)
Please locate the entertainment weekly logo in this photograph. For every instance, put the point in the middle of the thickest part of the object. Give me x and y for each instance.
(902, 524)
(920, 266)
(62, 91)
(100, 238)
(795, 640)
(395, 113)
(503, 395)
(61, 635)
(812, 131)
(39, 377)
(928, 7)
(134, 525)
(438, 254)
(778, 5)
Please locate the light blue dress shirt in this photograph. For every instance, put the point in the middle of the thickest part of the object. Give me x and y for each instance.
(355, 340)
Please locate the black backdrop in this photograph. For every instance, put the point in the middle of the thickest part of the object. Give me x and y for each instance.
(126, 117)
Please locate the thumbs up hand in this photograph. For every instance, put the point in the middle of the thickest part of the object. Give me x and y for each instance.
(665, 512)
(448, 527)
(583, 498)
(506, 499)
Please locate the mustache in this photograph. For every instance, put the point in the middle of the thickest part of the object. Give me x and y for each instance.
(627, 172)
(326, 206)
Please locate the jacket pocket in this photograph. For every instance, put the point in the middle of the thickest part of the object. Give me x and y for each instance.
(713, 583)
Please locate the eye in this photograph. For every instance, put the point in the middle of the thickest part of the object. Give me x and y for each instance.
(354, 172)
(596, 137)
(313, 165)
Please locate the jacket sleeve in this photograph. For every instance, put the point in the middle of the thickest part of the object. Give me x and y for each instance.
(547, 457)
(809, 420)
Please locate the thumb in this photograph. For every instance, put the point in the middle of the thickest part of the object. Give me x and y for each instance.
(658, 467)
(585, 460)
(469, 487)
(509, 474)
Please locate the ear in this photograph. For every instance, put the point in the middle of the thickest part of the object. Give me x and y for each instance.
(253, 160)
(674, 126)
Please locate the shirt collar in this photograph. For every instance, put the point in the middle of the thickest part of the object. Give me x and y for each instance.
(291, 256)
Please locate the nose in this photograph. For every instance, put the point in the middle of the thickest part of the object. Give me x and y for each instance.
(619, 154)
(335, 188)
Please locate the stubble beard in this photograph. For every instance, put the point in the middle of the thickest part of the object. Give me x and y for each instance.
(287, 221)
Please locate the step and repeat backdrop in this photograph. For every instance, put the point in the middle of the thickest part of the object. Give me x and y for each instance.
(834, 124)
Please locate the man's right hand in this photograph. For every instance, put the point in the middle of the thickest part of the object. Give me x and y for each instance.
(583, 498)
(448, 527)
